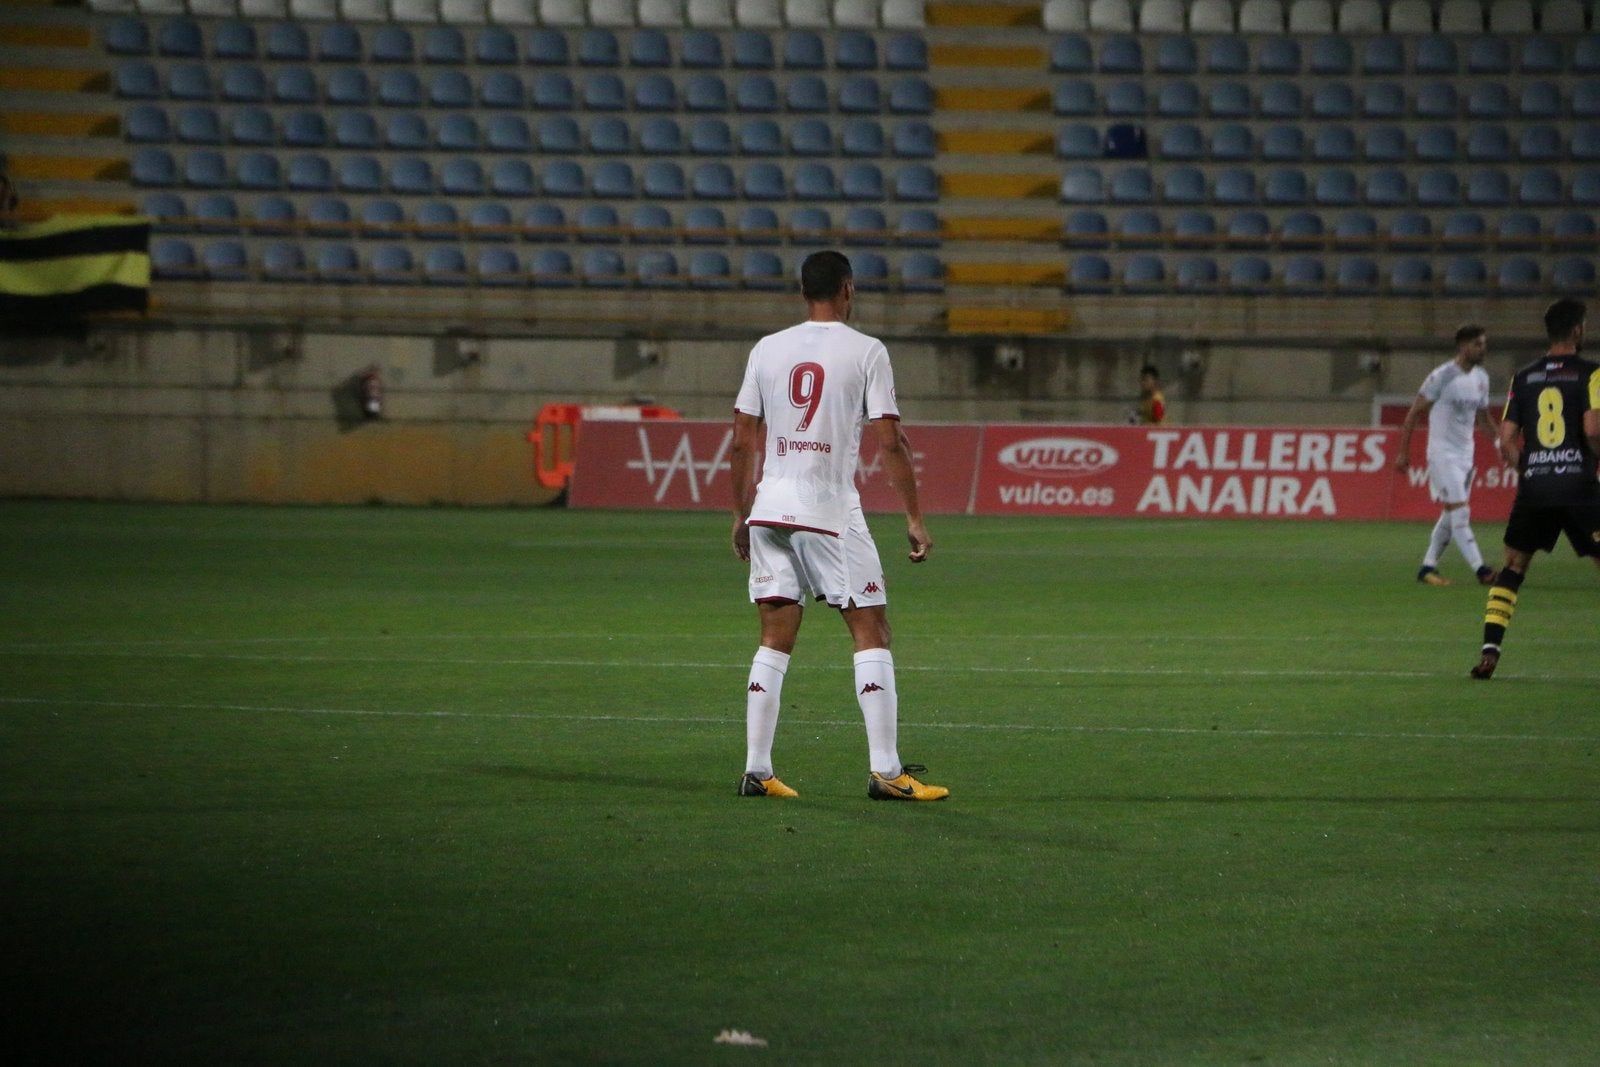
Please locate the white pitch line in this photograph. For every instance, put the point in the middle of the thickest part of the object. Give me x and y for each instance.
(1132, 671)
(681, 720)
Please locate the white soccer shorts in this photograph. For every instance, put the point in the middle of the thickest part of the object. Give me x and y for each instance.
(1450, 480)
(801, 565)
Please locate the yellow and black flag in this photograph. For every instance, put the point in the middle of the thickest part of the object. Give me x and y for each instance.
(53, 273)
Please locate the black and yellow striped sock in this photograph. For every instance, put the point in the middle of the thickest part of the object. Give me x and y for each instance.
(1502, 605)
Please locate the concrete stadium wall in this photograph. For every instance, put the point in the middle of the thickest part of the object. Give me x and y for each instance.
(269, 415)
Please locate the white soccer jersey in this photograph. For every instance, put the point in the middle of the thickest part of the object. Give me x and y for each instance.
(1457, 397)
(814, 384)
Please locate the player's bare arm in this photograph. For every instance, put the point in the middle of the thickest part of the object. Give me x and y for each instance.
(1419, 411)
(1591, 429)
(747, 444)
(1510, 442)
(897, 465)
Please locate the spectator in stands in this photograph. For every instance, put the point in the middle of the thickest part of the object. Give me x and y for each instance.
(1152, 409)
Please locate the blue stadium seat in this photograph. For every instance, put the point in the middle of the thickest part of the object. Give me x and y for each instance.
(328, 216)
(1280, 100)
(705, 224)
(1435, 55)
(1336, 187)
(1539, 187)
(709, 269)
(349, 87)
(1542, 55)
(1083, 184)
(126, 36)
(710, 137)
(1383, 100)
(763, 181)
(603, 268)
(700, 50)
(438, 220)
(1300, 229)
(705, 92)
(399, 88)
(1573, 275)
(501, 89)
(498, 266)
(179, 37)
(712, 181)
(1074, 97)
(871, 270)
(407, 132)
(1179, 141)
(1183, 185)
(657, 268)
(1436, 100)
(1132, 185)
(609, 135)
(559, 134)
(282, 261)
(1586, 55)
(1436, 144)
(244, 83)
(1383, 57)
(1465, 275)
(1177, 55)
(461, 176)
(1178, 99)
(355, 129)
(216, 212)
(598, 47)
(1234, 185)
(1139, 228)
(1356, 274)
(551, 91)
(1285, 186)
(911, 96)
(410, 175)
(165, 207)
(1332, 101)
(258, 171)
(1194, 227)
(810, 226)
(252, 126)
(660, 135)
(295, 85)
(545, 222)
(907, 52)
(1384, 144)
(662, 179)
(1144, 272)
(916, 182)
(1249, 229)
(1411, 229)
(547, 47)
(760, 137)
(1089, 273)
(1087, 228)
(918, 227)
(761, 270)
(1489, 100)
(864, 224)
(337, 263)
(1303, 274)
(380, 218)
(864, 137)
(490, 221)
(1121, 55)
(655, 92)
(1278, 55)
(1586, 187)
(1387, 187)
(757, 224)
(1464, 229)
(496, 46)
(309, 173)
(1069, 54)
(1332, 56)
(1586, 99)
(1488, 144)
(1334, 144)
(514, 177)
(1540, 100)
(1488, 188)
(1125, 99)
(444, 45)
(510, 133)
(1519, 274)
(752, 50)
(392, 265)
(173, 257)
(444, 266)
(1228, 100)
(859, 95)
(1282, 144)
(755, 93)
(806, 93)
(921, 272)
(1489, 55)
(360, 174)
(599, 224)
(1232, 142)
(604, 92)
(802, 50)
(146, 124)
(1249, 274)
(339, 42)
(810, 137)
(1355, 229)
(392, 44)
(551, 268)
(1227, 55)
(855, 50)
(189, 81)
(288, 42)
(1520, 229)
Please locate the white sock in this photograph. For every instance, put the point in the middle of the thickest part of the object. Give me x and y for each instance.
(761, 709)
(1439, 541)
(1461, 531)
(880, 706)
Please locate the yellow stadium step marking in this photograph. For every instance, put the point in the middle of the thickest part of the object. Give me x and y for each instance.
(68, 168)
(53, 80)
(985, 56)
(997, 142)
(991, 229)
(989, 16)
(45, 36)
(33, 209)
(59, 124)
(988, 98)
(1005, 274)
(1004, 186)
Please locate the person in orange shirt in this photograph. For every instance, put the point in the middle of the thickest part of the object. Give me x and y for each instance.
(1152, 405)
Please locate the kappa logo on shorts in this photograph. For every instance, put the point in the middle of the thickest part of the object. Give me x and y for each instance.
(873, 587)
(871, 687)
(757, 687)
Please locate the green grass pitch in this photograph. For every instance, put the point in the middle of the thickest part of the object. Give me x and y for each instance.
(448, 786)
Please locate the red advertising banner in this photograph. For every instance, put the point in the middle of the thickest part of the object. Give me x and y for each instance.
(1159, 471)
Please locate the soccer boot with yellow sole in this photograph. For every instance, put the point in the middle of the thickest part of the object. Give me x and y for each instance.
(905, 787)
(752, 786)
(1431, 576)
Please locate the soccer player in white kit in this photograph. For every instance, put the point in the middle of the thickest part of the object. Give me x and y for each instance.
(807, 390)
(1455, 397)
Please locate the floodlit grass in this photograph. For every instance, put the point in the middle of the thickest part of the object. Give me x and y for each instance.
(438, 786)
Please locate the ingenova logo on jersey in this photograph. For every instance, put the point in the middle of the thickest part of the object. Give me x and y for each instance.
(1058, 457)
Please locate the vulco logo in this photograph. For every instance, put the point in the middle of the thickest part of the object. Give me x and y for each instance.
(1058, 457)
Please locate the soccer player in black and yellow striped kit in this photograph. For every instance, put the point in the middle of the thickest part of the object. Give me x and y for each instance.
(1551, 434)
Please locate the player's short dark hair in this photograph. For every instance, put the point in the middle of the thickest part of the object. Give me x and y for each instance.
(1150, 369)
(823, 274)
(1563, 317)
(1470, 332)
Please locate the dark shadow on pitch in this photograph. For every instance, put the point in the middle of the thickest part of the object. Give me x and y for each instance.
(609, 780)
